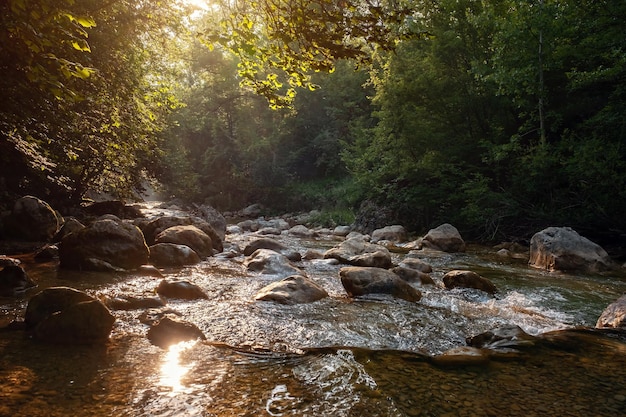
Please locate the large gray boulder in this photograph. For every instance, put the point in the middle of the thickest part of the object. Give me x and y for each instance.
(32, 219)
(358, 252)
(68, 316)
(295, 289)
(445, 238)
(358, 281)
(614, 316)
(105, 244)
(563, 249)
(190, 236)
(395, 233)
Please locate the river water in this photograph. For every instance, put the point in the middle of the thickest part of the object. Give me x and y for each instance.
(336, 357)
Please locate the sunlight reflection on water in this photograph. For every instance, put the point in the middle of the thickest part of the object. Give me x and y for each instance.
(172, 370)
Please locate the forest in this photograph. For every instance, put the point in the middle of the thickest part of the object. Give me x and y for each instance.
(498, 116)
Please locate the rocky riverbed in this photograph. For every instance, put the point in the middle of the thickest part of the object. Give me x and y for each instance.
(342, 355)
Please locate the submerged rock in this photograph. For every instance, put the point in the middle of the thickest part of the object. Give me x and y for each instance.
(563, 249)
(468, 279)
(413, 275)
(462, 356)
(614, 316)
(358, 281)
(66, 315)
(505, 337)
(295, 289)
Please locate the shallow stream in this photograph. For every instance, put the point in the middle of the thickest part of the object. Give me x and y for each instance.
(335, 357)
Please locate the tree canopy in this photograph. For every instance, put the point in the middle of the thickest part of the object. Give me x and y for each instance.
(500, 116)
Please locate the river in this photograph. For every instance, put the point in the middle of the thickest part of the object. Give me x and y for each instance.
(336, 357)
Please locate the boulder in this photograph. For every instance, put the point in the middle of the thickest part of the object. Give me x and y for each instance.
(104, 243)
(468, 279)
(14, 280)
(70, 225)
(181, 289)
(66, 315)
(358, 252)
(190, 236)
(417, 264)
(563, 249)
(271, 244)
(358, 281)
(614, 316)
(295, 289)
(171, 254)
(445, 238)
(46, 253)
(272, 263)
(342, 230)
(154, 227)
(300, 230)
(170, 330)
(214, 218)
(32, 219)
(395, 233)
(253, 210)
(413, 275)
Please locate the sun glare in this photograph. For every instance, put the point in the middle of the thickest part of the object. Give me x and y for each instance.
(172, 370)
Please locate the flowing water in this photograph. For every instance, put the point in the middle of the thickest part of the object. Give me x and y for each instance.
(336, 357)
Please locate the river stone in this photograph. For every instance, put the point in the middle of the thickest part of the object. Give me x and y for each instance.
(172, 254)
(468, 279)
(117, 208)
(170, 330)
(295, 289)
(563, 249)
(274, 245)
(300, 230)
(272, 263)
(342, 230)
(417, 264)
(505, 337)
(52, 300)
(358, 281)
(395, 233)
(614, 316)
(188, 235)
(116, 243)
(32, 219)
(358, 252)
(462, 356)
(181, 289)
(214, 218)
(413, 275)
(66, 315)
(131, 302)
(14, 280)
(445, 238)
(154, 227)
(70, 225)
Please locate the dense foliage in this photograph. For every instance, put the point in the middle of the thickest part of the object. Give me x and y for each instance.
(499, 116)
